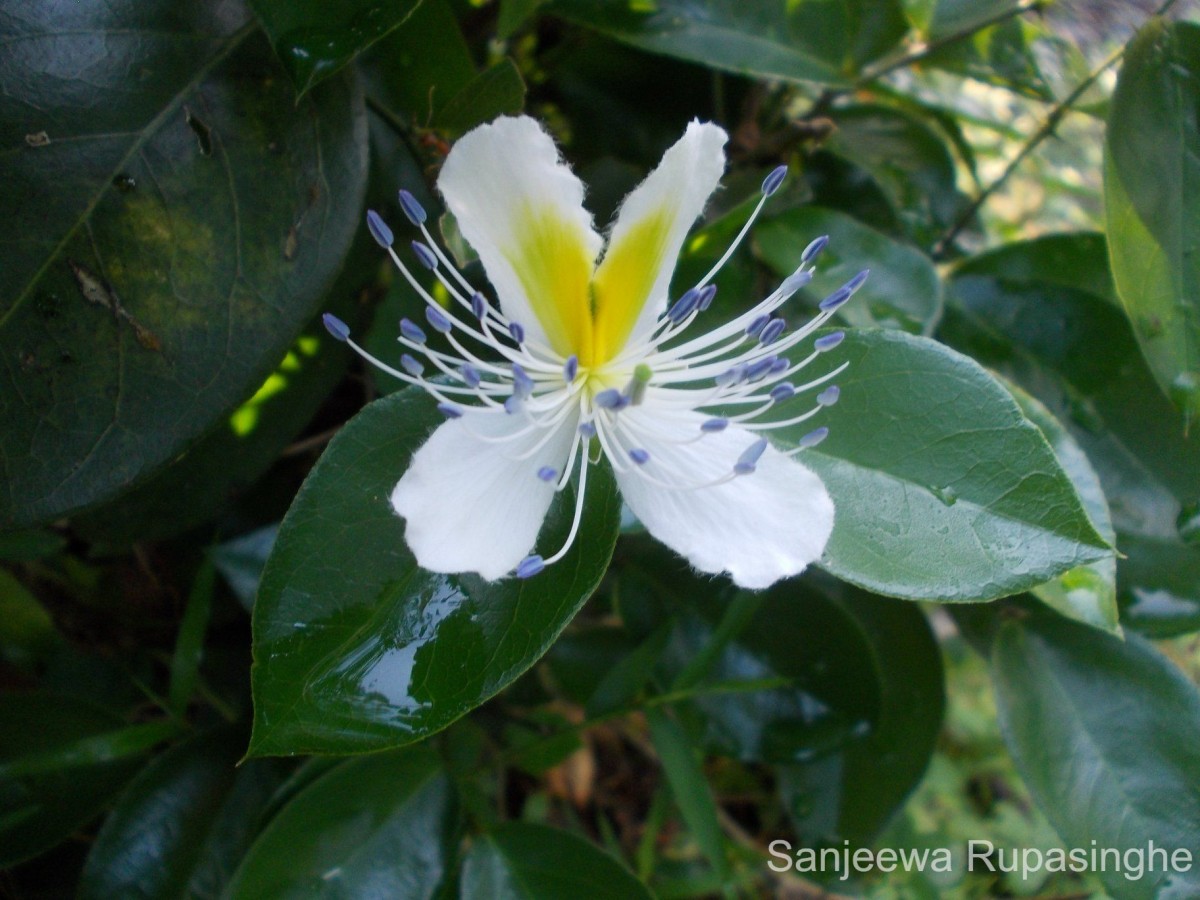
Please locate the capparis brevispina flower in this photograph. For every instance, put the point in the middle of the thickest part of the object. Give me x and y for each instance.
(584, 357)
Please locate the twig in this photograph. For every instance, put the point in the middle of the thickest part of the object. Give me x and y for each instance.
(1047, 128)
(311, 442)
(926, 49)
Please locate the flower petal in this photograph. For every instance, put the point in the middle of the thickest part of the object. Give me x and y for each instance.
(758, 527)
(469, 505)
(631, 284)
(521, 208)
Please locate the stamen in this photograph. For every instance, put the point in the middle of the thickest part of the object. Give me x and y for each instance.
(757, 370)
(412, 331)
(530, 566)
(609, 398)
(784, 391)
(813, 438)
(479, 305)
(780, 364)
(706, 297)
(522, 383)
(425, 256)
(449, 410)
(570, 368)
(684, 306)
(547, 473)
(748, 461)
(772, 182)
(814, 248)
(414, 210)
(379, 230)
(771, 331)
(829, 341)
(517, 330)
(845, 292)
(714, 425)
(829, 396)
(437, 319)
(587, 429)
(639, 456)
(471, 375)
(411, 365)
(731, 375)
(338, 330)
(754, 329)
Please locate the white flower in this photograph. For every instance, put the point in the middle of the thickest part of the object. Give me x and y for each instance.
(585, 358)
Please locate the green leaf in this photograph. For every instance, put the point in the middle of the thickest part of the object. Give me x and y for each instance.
(314, 39)
(807, 41)
(521, 861)
(1085, 593)
(1151, 182)
(183, 233)
(496, 91)
(852, 792)
(904, 290)
(514, 14)
(1104, 733)
(183, 824)
(223, 465)
(1036, 311)
(732, 665)
(909, 162)
(942, 18)
(690, 788)
(358, 649)
(27, 633)
(241, 562)
(189, 644)
(381, 826)
(944, 490)
(32, 544)
(61, 761)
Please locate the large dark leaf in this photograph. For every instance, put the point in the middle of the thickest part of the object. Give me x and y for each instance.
(183, 824)
(1152, 198)
(355, 647)
(1106, 734)
(1037, 311)
(314, 39)
(520, 861)
(173, 216)
(61, 761)
(381, 826)
(944, 490)
(809, 41)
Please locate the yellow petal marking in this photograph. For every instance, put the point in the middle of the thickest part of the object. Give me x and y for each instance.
(555, 267)
(623, 282)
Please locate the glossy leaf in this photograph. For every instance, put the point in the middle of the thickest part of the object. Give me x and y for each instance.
(908, 161)
(852, 792)
(183, 824)
(942, 18)
(1036, 311)
(1152, 168)
(173, 239)
(1104, 734)
(223, 465)
(903, 291)
(380, 826)
(1086, 593)
(61, 761)
(314, 39)
(522, 861)
(944, 490)
(821, 42)
(355, 647)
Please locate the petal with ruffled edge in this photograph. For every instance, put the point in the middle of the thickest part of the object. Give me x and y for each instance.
(521, 208)
(759, 527)
(469, 503)
(631, 283)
